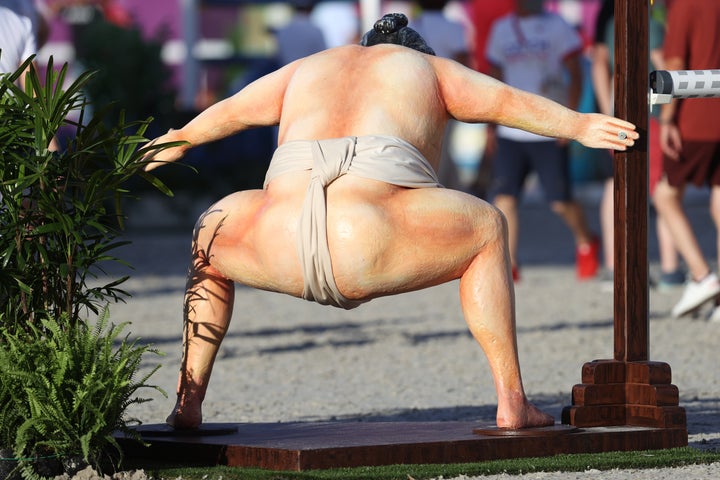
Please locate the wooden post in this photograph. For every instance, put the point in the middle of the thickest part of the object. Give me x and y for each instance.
(629, 390)
(631, 183)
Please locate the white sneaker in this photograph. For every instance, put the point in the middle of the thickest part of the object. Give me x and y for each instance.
(714, 316)
(697, 293)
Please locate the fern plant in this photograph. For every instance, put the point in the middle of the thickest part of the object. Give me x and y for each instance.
(73, 387)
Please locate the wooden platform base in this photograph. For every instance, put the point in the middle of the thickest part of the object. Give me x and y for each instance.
(308, 446)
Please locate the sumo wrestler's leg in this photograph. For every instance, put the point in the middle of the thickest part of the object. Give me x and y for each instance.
(455, 235)
(207, 310)
(488, 303)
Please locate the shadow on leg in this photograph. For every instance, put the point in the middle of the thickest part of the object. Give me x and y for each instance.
(207, 312)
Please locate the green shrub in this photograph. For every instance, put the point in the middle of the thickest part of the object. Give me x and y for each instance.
(135, 80)
(61, 211)
(64, 388)
(72, 386)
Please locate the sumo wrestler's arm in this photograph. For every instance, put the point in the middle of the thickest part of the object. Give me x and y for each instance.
(258, 104)
(472, 97)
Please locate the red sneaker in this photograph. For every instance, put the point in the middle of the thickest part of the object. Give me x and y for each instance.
(587, 259)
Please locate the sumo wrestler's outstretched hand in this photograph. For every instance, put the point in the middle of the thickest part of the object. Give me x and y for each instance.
(603, 131)
(160, 156)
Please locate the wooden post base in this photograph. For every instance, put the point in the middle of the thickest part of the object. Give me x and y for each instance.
(321, 445)
(625, 393)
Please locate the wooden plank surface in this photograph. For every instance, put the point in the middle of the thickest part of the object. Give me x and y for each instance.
(322, 445)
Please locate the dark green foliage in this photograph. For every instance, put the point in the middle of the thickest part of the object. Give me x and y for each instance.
(130, 72)
(67, 387)
(61, 211)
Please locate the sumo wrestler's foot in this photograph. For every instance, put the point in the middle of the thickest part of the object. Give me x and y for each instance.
(186, 415)
(522, 415)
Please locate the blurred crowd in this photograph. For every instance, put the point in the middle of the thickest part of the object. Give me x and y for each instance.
(562, 49)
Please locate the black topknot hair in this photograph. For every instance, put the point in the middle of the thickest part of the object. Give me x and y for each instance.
(391, 23)
(392, 28)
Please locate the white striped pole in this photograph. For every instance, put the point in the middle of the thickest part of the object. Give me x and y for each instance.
(668, 84)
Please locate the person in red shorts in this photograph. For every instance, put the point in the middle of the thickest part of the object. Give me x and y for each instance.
(690, 141)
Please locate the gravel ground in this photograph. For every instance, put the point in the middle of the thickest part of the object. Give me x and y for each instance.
(410, 357)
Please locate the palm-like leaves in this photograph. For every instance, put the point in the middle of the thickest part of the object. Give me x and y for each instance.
(61, 212)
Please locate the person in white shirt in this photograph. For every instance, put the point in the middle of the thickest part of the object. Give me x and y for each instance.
(17, 34)
(300, 37)
(538, 52)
